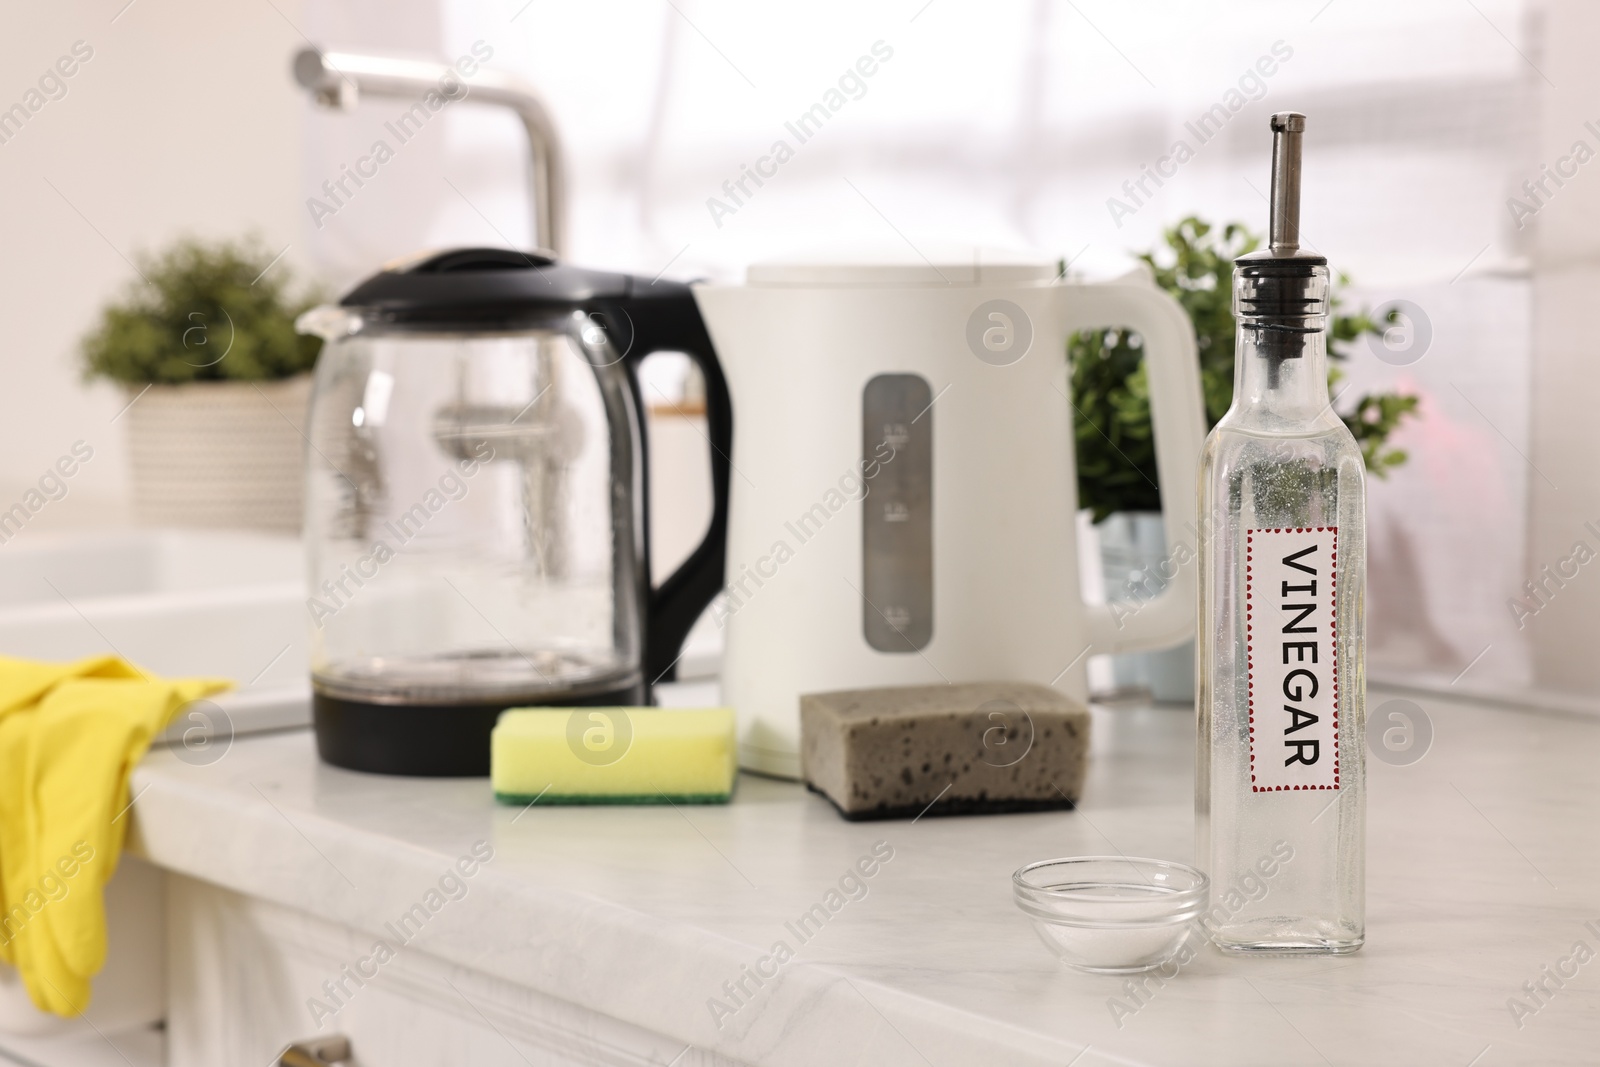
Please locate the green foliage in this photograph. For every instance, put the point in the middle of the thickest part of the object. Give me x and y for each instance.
(1116, 450)
(202, 312)
(1373, 419)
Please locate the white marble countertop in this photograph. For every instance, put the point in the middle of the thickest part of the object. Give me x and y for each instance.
(1483, 869)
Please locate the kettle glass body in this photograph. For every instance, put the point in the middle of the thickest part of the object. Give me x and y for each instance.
(476, 522)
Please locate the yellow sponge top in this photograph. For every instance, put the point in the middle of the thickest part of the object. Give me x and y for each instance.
(614, 756)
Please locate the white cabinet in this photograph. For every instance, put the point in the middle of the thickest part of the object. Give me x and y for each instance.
(246, 977)
(127, 993)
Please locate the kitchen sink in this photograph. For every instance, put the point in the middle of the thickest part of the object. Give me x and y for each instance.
(175, 602)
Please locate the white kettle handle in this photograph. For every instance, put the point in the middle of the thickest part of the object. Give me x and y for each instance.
(1177, 412)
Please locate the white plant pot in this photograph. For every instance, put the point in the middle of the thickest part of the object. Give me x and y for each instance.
(220, 454)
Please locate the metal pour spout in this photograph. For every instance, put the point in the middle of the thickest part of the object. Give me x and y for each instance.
(338, 79)
(1288, 128)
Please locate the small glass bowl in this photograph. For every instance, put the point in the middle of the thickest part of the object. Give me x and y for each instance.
(1111, 914)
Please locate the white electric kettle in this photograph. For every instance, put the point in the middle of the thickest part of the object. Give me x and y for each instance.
(904, 497)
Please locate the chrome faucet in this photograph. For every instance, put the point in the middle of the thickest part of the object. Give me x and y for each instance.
(338, 79)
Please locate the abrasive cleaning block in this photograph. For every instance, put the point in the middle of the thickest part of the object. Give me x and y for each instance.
(614, 756)
(944, 749)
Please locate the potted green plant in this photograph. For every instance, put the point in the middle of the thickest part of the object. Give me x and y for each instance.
(216, 381)
(1117, 479)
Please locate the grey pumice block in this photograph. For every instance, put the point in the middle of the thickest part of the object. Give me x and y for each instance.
(976, 748)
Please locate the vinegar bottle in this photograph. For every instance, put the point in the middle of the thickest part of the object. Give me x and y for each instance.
(1280, 777)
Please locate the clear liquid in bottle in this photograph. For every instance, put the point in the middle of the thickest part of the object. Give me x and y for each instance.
(1280, 768)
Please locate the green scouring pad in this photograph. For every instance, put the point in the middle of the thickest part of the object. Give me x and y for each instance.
(614, 756)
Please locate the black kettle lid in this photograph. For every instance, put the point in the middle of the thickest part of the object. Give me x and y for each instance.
(481, 289)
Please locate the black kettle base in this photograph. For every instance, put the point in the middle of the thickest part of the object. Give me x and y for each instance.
(424, 740)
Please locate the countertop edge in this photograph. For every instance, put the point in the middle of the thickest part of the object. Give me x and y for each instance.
(803, 1013)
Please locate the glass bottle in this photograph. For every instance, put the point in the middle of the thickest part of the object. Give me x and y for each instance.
(1280, 771)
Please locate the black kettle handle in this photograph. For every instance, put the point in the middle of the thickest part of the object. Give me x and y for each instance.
(665, 318)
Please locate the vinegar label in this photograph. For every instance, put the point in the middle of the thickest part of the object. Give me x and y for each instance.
(1291, 637)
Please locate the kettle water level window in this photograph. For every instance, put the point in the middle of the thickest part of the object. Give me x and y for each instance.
(897, 514)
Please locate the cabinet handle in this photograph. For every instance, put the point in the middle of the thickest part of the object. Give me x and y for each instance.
(316, 1052)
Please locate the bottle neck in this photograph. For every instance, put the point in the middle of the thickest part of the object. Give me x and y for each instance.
(1280, 382)
(1280, 377)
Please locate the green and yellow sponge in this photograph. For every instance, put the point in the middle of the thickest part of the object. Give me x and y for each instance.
(614, 756)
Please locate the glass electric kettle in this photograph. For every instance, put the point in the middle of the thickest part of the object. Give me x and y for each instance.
(476, 515)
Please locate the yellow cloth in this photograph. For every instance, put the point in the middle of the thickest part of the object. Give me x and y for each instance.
(70, 736)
